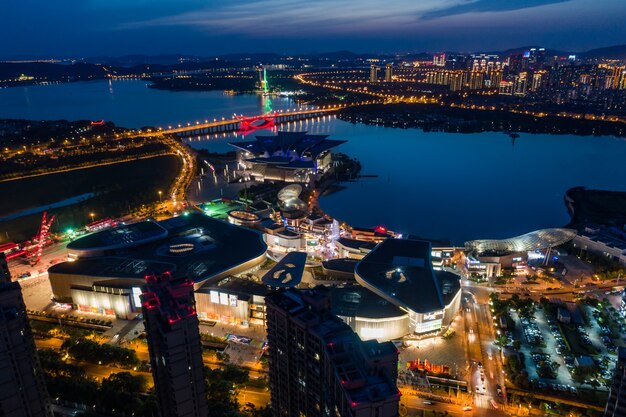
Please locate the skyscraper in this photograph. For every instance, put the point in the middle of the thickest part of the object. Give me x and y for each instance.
(319, 367)
(22, 388)
(388, 72)
(439, 60)
(374, 73)
(616, 404)
(174, 343)
(521, 84)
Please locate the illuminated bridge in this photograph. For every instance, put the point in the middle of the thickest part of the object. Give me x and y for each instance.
(243, 123)
(539, 239)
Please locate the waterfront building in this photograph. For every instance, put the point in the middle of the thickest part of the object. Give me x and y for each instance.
(319, 367)
(173, 337)
(286, 156)
(374, 73)
(608, 242)
(388, 72)
(109, 266)
(400, 271)
(616, 403)
(23, 391)
(488, 257)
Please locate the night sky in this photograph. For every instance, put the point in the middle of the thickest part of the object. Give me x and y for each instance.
(83, 28)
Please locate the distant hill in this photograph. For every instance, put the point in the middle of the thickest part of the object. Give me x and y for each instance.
(610, 52)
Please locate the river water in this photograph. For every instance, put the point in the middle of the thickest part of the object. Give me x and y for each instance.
(437, 185)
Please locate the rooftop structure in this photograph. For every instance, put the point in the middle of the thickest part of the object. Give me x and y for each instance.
(288, 156)
(539, 239)
(401, 272)
(294, 146)
(287, 273)
(174, 344)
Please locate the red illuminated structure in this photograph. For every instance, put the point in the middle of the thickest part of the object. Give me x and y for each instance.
(425, 365)
(98, 123)
(171, 324)
(44, 230)
(251, 123)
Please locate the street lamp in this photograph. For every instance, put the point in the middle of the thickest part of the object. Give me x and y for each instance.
(160, 193)
(92, 214)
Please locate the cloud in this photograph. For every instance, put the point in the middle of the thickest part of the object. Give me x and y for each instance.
(470, 6)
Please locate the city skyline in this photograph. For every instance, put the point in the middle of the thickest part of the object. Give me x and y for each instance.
(83, 29)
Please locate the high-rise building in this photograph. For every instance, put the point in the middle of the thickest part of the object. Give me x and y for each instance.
(520, 86)
(457, 81)
(539, 80)
(174, 344)
(439, 60)
(616, 404)
(374, 73)
(476, 81)
(22, 388)
(388, 72)
(496, 78)
(319, 367)
(506, 88)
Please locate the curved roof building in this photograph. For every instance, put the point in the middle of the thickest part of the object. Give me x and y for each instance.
(400, 271)
(539, 239)
(290, 145)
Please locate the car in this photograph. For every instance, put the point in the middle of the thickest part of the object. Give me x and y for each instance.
(428, 402)
(467, 408)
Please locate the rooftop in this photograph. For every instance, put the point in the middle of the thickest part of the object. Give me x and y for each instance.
(539, 239)
(357, 301)
(292, 145)
(194, 246)
(287, 272)
(120, 237)
(400, 271)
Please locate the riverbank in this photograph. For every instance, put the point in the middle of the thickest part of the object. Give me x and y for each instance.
(437, 118)
(119, 189)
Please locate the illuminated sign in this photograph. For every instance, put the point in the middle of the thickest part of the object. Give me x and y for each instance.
(136, 299)
(232, 300)
(215, 297)
(436, 315)
(223, 298)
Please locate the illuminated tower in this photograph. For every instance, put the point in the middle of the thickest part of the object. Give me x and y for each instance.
(388, 72)
(521, 84)
(22, 389)
(539, 79)
(174, 343)
(374, 73)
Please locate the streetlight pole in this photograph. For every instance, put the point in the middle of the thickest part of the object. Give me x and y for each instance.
(160, 193)
(92, 214)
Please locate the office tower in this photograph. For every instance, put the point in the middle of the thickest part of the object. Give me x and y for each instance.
(319, 367)
(374, 73)
(476, 80)
(388, 72)
(496, 78)
(174, 343)
(22, 388)
(616, 404)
